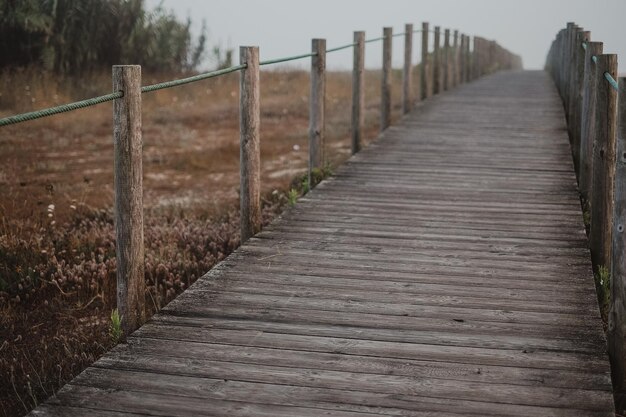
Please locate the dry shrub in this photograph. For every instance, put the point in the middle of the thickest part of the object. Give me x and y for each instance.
(57, 266)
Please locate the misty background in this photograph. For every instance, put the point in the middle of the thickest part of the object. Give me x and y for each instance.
(286, 27)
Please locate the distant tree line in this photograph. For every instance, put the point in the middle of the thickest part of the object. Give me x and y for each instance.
(78, 36)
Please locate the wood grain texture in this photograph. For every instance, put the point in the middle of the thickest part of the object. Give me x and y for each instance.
(447, 61)
(588, 120)
(425, 64)
(437, 70)
(358, 92)
(128, 185)
(407, 69)
(576, 98)
(385, 94)
(317, 124)
(443, 271)
(603, 168)
(617, 314)
(250, 143)
(455, 67)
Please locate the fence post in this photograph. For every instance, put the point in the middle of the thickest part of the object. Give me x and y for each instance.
(576, 95)
(316, 111)
(461, 61)
(385, 111)
(603, 165)
(468, 59)
(572, 81)
(455, 59)
(424, 70)
(407, 73)
(617, 313)
(437, 63)
(446, 60)
(358, 90)
(128, 183)
(588, 117)
(249, 153)
(569, 68)
(476, 58)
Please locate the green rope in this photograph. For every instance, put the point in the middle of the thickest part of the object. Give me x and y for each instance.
(584, 45)
(289, 58)
(594, 59)
(374, 39)
(59, 109)
(339, 48)
(204, 76)
(398, 34)
(109, 97)
(611, 81)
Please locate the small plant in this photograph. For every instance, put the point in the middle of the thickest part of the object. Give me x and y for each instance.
(115, 329)
(586, 218)
(603, 288)
(292, 197)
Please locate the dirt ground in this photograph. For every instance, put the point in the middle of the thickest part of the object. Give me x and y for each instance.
(57, 262)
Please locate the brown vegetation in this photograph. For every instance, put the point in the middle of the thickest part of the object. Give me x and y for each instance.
(57, 264)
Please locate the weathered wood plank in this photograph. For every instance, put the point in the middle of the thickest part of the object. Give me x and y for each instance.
(443, 271)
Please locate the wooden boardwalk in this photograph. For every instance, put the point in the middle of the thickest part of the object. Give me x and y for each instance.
(443, 272)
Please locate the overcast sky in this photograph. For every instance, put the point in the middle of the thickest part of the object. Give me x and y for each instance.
(285, 27)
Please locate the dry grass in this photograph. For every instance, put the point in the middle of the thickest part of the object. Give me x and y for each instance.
(57, 266)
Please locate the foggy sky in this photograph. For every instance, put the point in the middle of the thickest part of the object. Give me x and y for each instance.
(285, 27)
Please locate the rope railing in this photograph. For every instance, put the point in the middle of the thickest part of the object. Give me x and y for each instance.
(24, 117)
(445, 67)
(193, 79)
(37, 114)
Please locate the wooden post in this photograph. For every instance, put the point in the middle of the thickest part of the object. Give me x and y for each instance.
(385, 111)
(476, 59)
(425, 66)
(572, 81)
(603, 166)
(128, 183)
(250, 143)
(565, 61)
(576, 95)
(455, 59)
(461, 61)
(437, 63)
(468, 60)
(316, 109)
(446, 60)
(588, 115)
(617, 312)
(407, 73)
(358, 90)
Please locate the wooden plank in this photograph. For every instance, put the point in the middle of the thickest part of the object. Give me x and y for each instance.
(443, 271)
(373, 365)
(194, 372)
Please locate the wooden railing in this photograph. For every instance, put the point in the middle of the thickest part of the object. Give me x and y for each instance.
(595, 108)
(442, 68)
